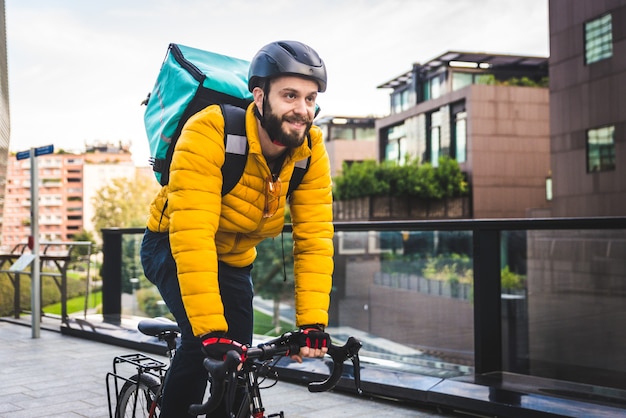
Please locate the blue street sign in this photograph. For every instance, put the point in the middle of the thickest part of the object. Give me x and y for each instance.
(46, 149)
(23, 155)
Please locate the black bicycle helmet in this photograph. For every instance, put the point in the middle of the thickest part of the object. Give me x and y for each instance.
(286, 58)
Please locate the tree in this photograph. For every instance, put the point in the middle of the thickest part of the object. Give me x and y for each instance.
(79, 254)
(123, 203)
(273, 271)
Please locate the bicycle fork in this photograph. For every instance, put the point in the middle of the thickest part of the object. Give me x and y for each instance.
(256, 405)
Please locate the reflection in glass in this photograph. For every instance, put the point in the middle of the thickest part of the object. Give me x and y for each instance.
(408, 295)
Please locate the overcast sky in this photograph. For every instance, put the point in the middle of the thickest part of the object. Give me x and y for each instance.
(78, 69)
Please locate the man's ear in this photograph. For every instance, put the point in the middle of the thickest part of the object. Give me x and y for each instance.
(258, 94)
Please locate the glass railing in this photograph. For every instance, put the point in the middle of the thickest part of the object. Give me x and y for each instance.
(544, 298)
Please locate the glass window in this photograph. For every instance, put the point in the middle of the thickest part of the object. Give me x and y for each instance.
(601, 149)
(365, 134)
(342, 132)
(405, 100)
(598, 39)
(435, 88)
(460, 136)
(400, 101)
(434, 140)
(460, 80)
(324, 128)
(426, 90)
(391, 151)
(435, 132)
(396, 145)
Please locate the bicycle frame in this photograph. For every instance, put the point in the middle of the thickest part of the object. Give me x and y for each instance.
(223, 373)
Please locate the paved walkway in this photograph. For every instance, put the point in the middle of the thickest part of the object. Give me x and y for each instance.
(58, 376)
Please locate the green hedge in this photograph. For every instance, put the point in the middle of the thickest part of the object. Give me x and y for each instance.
(50, 293)
(369, 178)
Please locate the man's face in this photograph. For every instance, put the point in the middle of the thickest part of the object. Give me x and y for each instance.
(290, 109)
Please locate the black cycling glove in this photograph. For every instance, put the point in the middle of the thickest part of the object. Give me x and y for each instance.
(313, 336)
(216, 346)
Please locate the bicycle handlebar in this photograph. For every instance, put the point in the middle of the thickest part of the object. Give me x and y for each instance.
(222, 372)
(339, 354)
(225, 371)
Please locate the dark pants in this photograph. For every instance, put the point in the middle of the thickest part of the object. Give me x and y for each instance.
(186, 379)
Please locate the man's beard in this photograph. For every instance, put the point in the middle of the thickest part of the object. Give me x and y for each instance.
(274, 127)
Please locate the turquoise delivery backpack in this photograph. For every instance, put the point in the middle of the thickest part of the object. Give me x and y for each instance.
(189, 80)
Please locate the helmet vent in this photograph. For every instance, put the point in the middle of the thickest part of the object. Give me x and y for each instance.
(288, 47)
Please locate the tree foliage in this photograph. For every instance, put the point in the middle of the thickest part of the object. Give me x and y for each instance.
(123, 203)
(273, 272)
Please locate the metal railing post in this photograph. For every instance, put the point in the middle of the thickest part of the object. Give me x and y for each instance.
(111, 274)
(17, 287)
(487, 300)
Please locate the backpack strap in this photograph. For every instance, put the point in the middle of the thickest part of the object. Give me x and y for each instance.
(204, 97)
(299, 171)
(236, 145)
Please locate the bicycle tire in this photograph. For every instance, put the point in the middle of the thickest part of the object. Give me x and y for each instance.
(144, 388)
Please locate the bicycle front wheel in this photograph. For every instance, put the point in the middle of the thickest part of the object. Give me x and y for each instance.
(139, 398)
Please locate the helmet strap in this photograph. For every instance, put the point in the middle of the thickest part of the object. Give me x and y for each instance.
(261, 119)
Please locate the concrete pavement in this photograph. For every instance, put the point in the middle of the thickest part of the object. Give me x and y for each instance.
(59, 376)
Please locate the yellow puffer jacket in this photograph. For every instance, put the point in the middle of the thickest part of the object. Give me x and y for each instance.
(205, 227)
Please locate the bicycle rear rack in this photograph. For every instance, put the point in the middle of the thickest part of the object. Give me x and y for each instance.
(138, 364)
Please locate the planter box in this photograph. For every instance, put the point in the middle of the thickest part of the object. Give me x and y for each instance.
(375, 208)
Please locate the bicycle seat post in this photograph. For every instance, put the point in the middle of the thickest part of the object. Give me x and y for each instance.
(170, 339)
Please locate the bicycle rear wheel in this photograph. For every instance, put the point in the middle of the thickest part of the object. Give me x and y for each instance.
(138, 398)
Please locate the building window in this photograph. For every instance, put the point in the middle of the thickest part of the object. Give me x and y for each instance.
(458, 146)
(460, 80)
(598, 39)
(342, 132)
(433, 142)
(435, 87)
(396, 144)
(601, 149)
(400, 100)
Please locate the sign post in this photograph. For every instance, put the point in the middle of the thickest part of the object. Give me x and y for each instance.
(35, 294)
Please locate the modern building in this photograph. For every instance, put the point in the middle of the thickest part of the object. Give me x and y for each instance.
(588, 107)
(490, 112)
(60, 199)
(67, 184)
(5, 128)
(576, 279)
(348, 139)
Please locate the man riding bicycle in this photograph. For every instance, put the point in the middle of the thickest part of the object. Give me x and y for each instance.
(199, 246)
